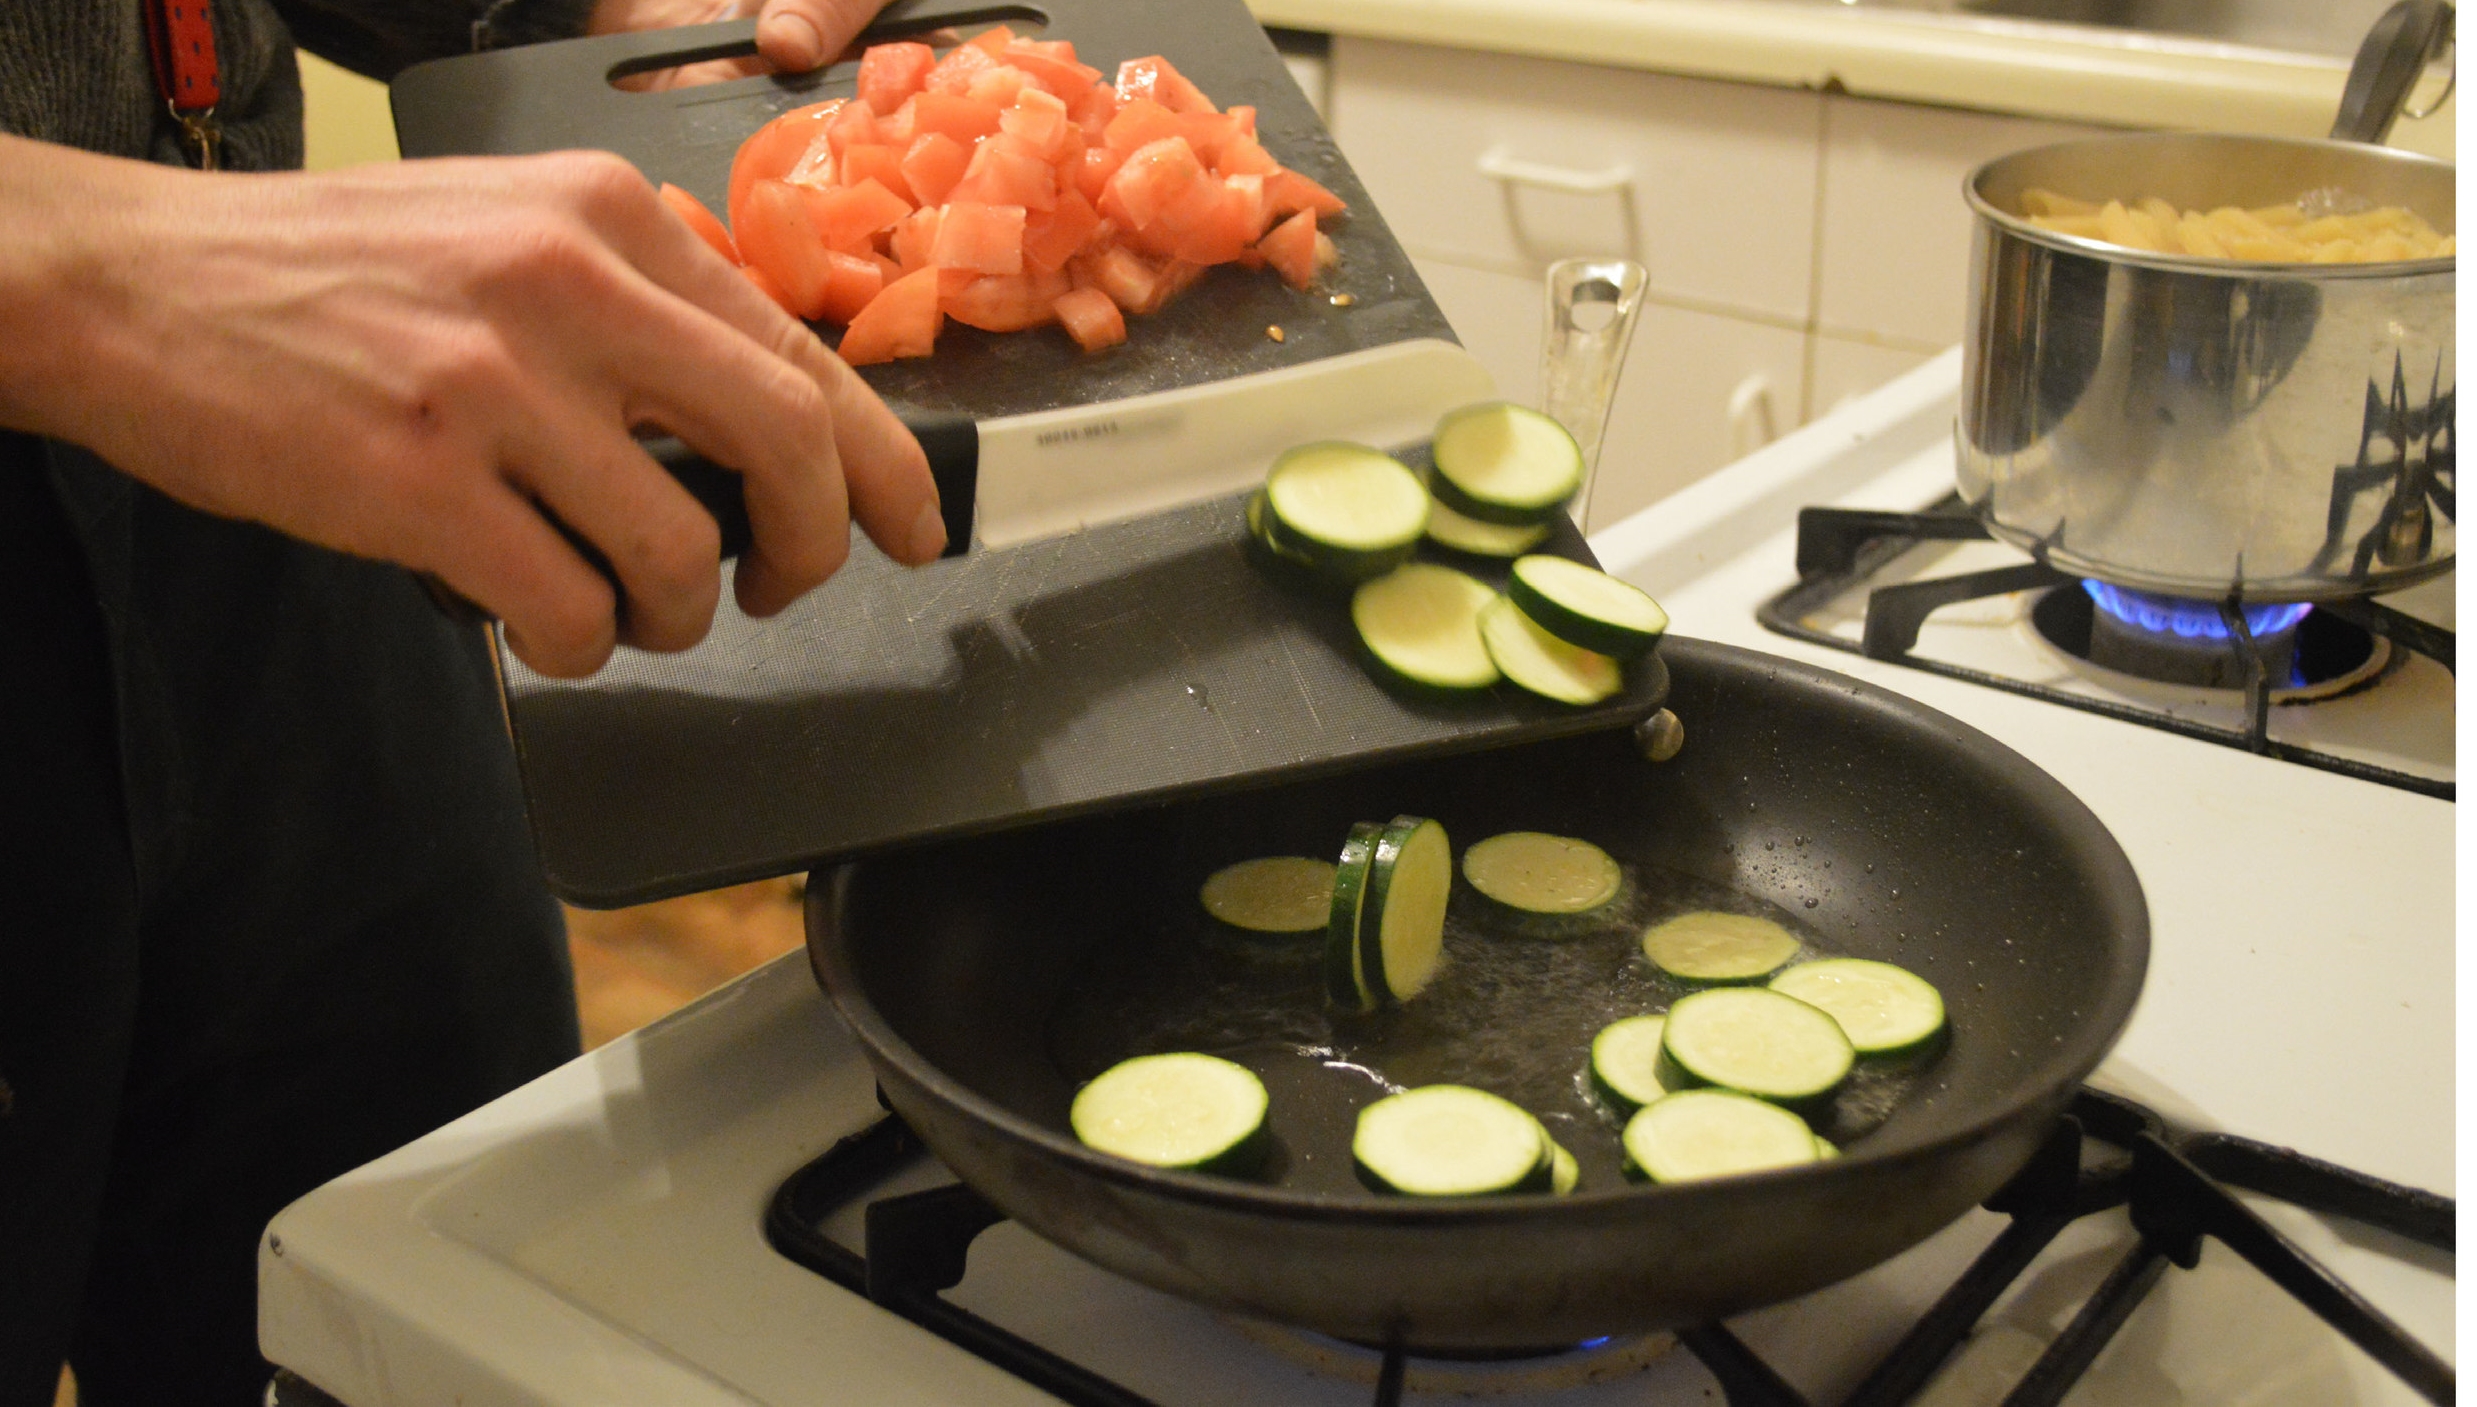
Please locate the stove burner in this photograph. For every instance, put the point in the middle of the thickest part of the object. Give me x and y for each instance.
(2104, 1152)
(1579, 1365)
(2188, 619)
(2306, 654)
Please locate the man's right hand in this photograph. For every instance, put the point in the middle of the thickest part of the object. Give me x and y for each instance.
(416, 362)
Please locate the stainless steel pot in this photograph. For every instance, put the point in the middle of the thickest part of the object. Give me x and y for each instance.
(2207, 428)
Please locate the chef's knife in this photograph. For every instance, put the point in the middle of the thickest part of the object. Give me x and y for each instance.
(1019, 478)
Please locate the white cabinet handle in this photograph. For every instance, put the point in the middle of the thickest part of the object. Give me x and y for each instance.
(1754, 417)
(1511, 172)
(1497, 165)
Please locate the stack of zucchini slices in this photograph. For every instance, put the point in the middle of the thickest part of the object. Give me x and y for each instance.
(1344, 515)
(1385, 931)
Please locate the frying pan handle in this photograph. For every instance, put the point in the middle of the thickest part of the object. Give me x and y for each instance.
(951, 441)
(2388, 65)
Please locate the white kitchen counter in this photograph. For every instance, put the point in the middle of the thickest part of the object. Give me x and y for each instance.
(2035, 69)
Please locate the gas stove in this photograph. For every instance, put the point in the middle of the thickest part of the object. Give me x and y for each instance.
(681, 1216)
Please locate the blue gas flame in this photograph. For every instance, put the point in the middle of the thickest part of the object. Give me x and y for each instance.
(2189, 619)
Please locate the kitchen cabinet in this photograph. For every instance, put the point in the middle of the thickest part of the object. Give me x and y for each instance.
(1803, 247)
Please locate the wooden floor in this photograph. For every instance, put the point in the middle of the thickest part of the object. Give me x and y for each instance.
(633, 965)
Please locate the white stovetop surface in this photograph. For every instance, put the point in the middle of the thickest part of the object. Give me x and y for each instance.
(593, 1238)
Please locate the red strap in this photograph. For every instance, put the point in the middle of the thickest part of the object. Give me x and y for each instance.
(181, 37)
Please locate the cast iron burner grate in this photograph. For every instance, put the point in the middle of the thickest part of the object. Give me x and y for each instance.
(2106, 1152)
(1840, 549)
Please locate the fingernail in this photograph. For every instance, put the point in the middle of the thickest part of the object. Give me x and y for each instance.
(928, 534)
(795, 40)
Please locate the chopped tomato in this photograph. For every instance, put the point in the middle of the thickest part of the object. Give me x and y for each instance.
(847, 217)
(1291, 191)
(851, 281)
(778, 238)
(882, 164)
(953, 73)
(1099, 164)
(1090, 318)
(967, 120)
(1291, 249)
(1154, 78)
(901, 321)
(700, 219)
(889, 73)
(933, 165)
(913, 239)
(986, 239)
(999, 177)
(774, 149)
(1006, 171)
(1055, 236)
(1156, 177)
(1004, 302)
(1141, 122)
(854, 125)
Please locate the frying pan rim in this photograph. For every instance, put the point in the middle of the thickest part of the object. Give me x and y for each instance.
(2098, 1032)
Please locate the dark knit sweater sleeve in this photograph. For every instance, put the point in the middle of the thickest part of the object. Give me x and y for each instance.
(381, 37)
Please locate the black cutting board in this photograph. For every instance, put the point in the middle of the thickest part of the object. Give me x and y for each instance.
(1140, 662)
(549, 97)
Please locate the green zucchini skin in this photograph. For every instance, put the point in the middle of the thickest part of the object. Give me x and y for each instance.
(1426, 597)
(1489, 542)
(1544, 664)
(1533, 584)
(1453, 485)
(1343, 560)
(1875, 1045)
(1093, 1123)
(1385, 869)
(1539, 1175)
(1343, 984)
(1812, 1100)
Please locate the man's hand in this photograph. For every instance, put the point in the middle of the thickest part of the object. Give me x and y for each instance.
(417, 362)
(793, 36)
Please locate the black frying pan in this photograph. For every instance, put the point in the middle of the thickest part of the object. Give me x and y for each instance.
(970, 973)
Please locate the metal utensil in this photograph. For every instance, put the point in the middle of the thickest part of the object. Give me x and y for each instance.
(1592, 307)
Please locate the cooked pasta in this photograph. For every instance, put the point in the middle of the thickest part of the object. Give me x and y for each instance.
(2273, 234)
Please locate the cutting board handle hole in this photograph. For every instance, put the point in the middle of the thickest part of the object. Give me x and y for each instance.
(939, 28)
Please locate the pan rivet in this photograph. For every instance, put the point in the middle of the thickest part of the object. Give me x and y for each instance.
(1660, 736)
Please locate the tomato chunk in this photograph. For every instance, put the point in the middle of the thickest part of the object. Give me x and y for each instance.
(774, 149)
(764, 283)
(1291, 249)
(851, 281)
(889, 73)
(882, 164)
(1156, 177)
(848, 217)
(967, 120)
(1004, 302)
(985, 239)
(1091, 318)
(778, 238)
(901, 321)
(1005, 171)
(1154, 78)
(933, 165)
(700, 219)
(1055, 236)
(1291, 191)
(914, 239)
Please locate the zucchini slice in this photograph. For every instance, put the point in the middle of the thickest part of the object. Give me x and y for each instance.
(1542, 663)
(1275, 894)
(1713, 948)
(1564, 1174)
(1540, 873)
(1825, 1149)
(1625, 1062)
(1755, 1041)
(1421, 621)
(1503, 463)
(1446, 528)
(1199, 1113)
(1344, 986)
(1348, 510)
(1884, 1010)
(1703, 1133)
(1586, 606)
(1451, 1141)
(1402, 920)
